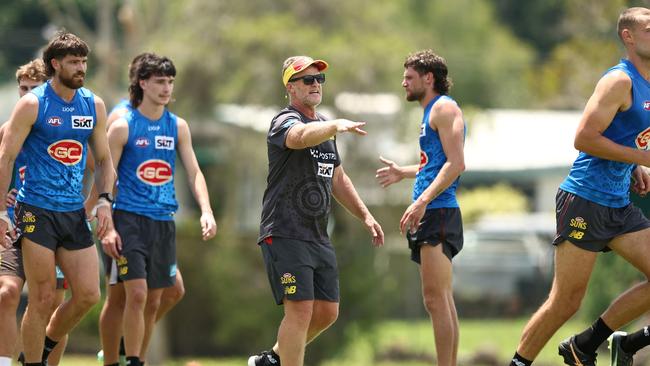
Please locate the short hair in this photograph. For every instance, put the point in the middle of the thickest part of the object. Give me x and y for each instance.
(33, 70)
(426, 61)
(63, 44)
(630, 18)
(148, 65)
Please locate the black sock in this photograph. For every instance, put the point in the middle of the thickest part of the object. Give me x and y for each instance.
(517, 360)
(591, 338)
(49, 346)
(122, 348)
(275, 355)
(34, 364)
(637, 340)
(133, 361)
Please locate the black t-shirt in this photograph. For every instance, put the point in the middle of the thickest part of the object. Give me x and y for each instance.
(297, 199)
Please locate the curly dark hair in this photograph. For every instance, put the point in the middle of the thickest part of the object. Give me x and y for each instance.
(63, 44)
(145, 66)
(426, 61)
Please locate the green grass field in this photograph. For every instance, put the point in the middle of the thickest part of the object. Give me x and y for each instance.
(411, 344)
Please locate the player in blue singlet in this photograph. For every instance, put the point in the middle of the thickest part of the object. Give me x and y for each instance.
(593, 209)
(54, 125)
(433, 222)
(144, 144)
(12, 276)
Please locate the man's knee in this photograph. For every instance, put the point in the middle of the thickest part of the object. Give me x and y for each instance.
(434, 300)
(9, 295)
(327, 316)
(86, 296)
(299, 311)
(136, 297)
(565, 305)
(174, 294)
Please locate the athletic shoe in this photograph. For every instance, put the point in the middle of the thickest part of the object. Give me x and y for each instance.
(618, 357)
(263, 359)
(573, 356)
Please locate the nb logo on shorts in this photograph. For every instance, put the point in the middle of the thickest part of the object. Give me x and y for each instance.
(30, 228)
(290, 290)
(576, 234)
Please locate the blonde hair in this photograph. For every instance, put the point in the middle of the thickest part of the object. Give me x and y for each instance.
(33, 70)
(630, 18)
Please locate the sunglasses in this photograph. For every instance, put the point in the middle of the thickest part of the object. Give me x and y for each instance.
(309, 79)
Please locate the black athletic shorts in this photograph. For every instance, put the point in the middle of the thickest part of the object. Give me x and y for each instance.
(591, 226)
(148, 249)
(53, 229)
(438, 226)
(11, 264)
(301, 270)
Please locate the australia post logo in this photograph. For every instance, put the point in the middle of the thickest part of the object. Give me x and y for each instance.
(155, 172)
(643, 139)
(66, 152)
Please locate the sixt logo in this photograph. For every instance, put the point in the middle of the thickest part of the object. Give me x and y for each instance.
(82, 122)
(642, 139)
(164, 142)
(142, 142)
(54, 121)
(154, 172)
(66, 152)
(325, 170)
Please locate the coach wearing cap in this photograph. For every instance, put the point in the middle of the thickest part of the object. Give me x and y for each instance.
(305, 171)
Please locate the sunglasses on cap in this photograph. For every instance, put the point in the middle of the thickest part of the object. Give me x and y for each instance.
(309, 79)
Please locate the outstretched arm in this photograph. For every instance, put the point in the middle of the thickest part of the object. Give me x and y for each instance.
(345, 193)
(393, 173)
(302, 135)
(196, 180)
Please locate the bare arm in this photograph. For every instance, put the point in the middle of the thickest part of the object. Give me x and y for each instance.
(302, 135)
(393, 173)
(612, 94)
(16, 130)
(345, 193)
(196, 179)
(447, 119)
(104, 172)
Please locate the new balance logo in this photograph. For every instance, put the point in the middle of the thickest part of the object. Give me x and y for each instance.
(271, 359)
(517, 362)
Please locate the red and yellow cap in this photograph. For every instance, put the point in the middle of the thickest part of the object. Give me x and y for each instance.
(300, 63)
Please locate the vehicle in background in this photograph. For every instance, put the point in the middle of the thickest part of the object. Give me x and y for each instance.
(506, 265)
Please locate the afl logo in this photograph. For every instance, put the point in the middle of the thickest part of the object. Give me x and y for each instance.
(642, 139)
(646, 105)
(155, 172)
(424, 159)
(66, 152)
(142, 142)
(55, 121)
